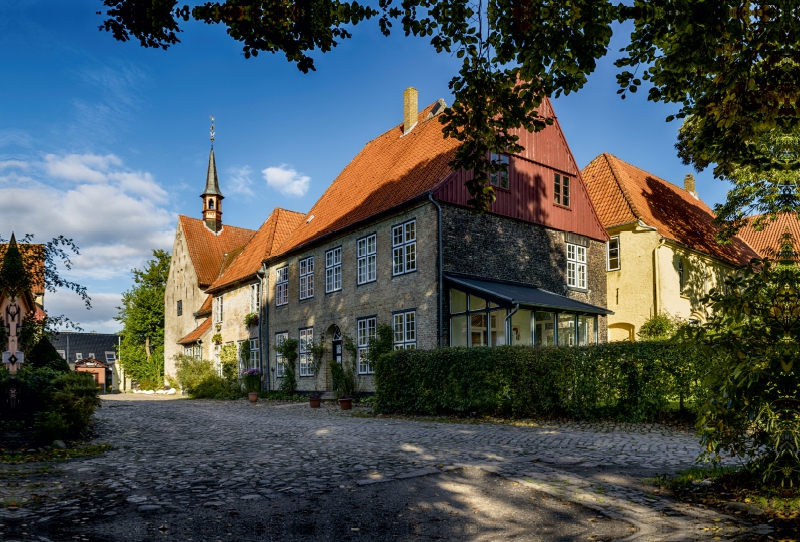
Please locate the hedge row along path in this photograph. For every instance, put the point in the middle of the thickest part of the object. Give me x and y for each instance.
(228, 461)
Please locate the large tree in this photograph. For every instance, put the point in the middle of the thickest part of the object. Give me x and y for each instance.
(142, 317)
(733, 65)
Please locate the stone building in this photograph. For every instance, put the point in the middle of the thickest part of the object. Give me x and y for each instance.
(661, 256)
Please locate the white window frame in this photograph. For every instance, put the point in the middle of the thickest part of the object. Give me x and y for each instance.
(198, 351)
(306, 359)
(367, 259)
(62, 353)
(614, 239)
(576, 266)
(218, 310)
(113, 357)
(92, 355)
(365, 331)
(78, 356)
(217, 364)
(255, 352)
(255, 297)
(404, 248)
(333, 270)
(405, 330)
(280, 367)
(307, 278)
(282, 286)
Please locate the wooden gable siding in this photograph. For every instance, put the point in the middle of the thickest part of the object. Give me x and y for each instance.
(530, 193)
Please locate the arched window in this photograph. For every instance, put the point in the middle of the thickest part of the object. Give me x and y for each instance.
(681, 276)
(210, 203)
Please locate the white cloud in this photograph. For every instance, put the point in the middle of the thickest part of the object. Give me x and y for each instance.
(19, 164)
(239, 181)
(80, 167)
(99, 318)
(286, 180)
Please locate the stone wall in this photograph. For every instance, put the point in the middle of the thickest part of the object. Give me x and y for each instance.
(235, 306)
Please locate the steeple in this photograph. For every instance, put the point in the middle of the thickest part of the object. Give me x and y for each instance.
(212, 197)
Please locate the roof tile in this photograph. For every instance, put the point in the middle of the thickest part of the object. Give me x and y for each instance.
(198, 333)
(208, 250)
(767, 241)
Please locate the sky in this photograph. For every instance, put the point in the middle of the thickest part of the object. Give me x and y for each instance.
(107, 142)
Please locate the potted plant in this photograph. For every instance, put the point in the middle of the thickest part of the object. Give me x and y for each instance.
(345, 402)
(252, 381)
(315, 399)
(251, 319)
(216, 338)
(347, 381)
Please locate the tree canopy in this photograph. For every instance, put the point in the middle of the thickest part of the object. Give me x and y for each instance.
(142, 317)
(732, 65)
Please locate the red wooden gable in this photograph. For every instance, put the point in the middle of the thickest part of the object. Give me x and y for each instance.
(531, 176)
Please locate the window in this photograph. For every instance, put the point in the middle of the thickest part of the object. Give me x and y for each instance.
(544, 333)
(187, 350)
(500, 178)
(405, 330)
(333, 270)
(367, 265)
(218, 310)
(198, 351)
(307, 278)
(576, 266)
(280, 366)
(561, 190)
(365, 333)
(587, 330)
(92, 356)
(566, 329)
(681, 276)
(304, 348)
(62, 353)
(282, 286)
(217, 348)
(255, 297)
(482, 325)
(254, 354)
(404, 248)
(180, 307)
(111, 357)
(612, 254)
(78, 356)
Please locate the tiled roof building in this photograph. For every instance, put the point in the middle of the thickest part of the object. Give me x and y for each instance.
(767, 240)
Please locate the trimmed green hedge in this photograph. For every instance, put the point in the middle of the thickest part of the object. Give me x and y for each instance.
(631, 381)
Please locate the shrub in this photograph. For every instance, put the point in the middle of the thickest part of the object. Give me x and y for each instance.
(190, 371)
(229, 362)
(74, 400)
(215, 387)
(288, 350)
(630, 381)
(661, 327)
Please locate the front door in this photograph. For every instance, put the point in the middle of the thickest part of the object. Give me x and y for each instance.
(336, 346)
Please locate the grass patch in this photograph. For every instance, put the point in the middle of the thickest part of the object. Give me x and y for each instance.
(55, 454)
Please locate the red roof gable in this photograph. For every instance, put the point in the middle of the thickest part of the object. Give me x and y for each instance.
(767, 241)
(209, 250)
(198, 333)
(623, 193)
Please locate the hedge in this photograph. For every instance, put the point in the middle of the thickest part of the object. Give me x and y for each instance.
(631, 381)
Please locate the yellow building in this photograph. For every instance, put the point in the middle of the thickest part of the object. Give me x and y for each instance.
(662, 256)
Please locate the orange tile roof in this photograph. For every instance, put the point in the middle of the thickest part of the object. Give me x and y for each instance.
(33, 257)
(623, 193)
(205, 308)
(768, 240)
(198, 333)
(207, 250)
(390, 170)
(272, 234)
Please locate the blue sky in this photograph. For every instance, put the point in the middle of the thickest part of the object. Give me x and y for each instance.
(107, 142)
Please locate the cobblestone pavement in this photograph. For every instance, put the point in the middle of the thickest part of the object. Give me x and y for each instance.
(175, 455)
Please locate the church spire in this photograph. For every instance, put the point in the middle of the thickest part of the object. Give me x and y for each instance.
(212, 197)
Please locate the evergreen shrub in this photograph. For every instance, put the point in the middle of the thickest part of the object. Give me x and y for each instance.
(628, 381)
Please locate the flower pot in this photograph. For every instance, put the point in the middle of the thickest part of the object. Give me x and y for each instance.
(253, 396)
(345, 404)
(315, 403)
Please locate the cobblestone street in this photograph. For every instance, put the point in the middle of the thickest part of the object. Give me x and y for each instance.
(177, 458)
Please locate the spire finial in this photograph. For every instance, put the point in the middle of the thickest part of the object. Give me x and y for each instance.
(212, 132)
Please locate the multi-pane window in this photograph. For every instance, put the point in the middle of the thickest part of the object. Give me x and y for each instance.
(333, 270)
(255, 297)
(304, 349)
(612, 254)
(561, 190)
(576, 266)
(217, 364)
(307, 277)
(198, 351)
(404, 248)
(500, 178)
(282, 286)
(280, 369)
(254, 353)
(218, 310)
(405, 330)
(365, 332)
(367, 264)
(180, 307)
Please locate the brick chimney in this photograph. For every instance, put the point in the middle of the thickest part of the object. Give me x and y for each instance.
(410, 109)
(688, 185)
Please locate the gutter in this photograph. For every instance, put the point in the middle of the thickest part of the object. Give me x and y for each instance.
(441, 272)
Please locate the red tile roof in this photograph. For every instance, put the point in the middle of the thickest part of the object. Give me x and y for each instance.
(623, 193)
(205, 308)
(272, 234)
(390, 170)
(768, 240)
(207, 250)
(198, 333)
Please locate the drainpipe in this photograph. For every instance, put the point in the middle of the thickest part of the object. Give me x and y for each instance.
(262, 324)
(508, 323)
(657, 278)
(441, 273)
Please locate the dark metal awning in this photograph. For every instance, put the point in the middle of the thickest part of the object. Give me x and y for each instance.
(508, 294)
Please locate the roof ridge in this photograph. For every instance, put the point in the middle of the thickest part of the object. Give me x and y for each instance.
(617, 177)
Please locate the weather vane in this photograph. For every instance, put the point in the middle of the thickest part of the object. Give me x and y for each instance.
(212, 130)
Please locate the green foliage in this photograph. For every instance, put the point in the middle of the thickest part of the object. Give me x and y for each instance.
(142, 317)
(660, 327)
(216, 338)
(74, 400)
(44, 354)
(190, 371)
(753, 344)
(288, 349)
(229, 362)
(251, 319)
(244, 353)
(628, 381)
(215, 387)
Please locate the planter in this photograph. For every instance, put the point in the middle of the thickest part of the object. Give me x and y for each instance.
(345, 404)
(253, 396)
(315, 403)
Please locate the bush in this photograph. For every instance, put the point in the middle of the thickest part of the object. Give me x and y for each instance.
(628, 381)
(661, 327)
(288, 349)
(215, 387)
(190, 371)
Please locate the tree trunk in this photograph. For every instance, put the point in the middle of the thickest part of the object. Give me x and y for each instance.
(147, 347)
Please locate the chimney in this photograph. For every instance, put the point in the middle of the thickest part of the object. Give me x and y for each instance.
(410, 109)
(688, 185)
